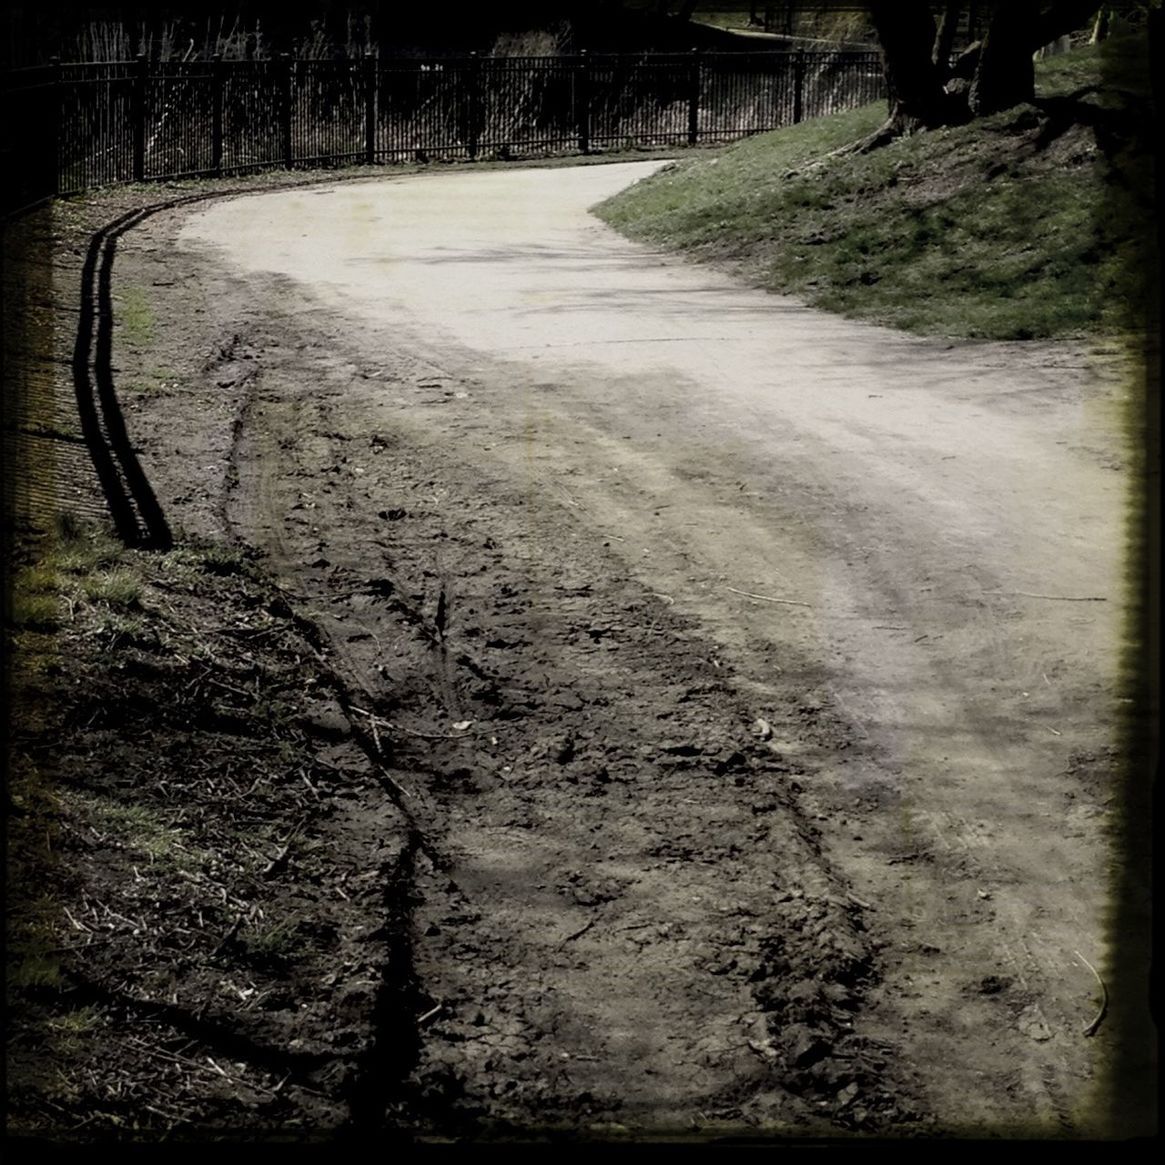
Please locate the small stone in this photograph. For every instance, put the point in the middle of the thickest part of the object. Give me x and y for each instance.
(803, 1046)
(764, 1049)
(325, 718)
(847, 1095)
(1033, 1025)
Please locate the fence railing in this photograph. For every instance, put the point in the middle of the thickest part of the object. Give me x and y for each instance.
(70, 127)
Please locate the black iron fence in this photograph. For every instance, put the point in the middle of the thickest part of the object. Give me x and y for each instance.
(70, 127)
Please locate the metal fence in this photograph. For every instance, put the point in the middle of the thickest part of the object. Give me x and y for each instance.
(74, 126)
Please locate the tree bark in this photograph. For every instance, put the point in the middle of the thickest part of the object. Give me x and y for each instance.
(945, 39)
(1005, 75)
(913, 85)
(993, 75)
(1100, 28)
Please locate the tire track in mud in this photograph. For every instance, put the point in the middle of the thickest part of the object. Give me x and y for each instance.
(140, 521)
(617, 917)
(393, 1049)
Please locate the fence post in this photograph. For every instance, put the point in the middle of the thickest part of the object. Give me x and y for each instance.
(216, 100)
(694, 98)
(138, 117)
(474, 100)
(285, 108)
(798, 86)
(52, 178)
(370, 84)
(582, 102)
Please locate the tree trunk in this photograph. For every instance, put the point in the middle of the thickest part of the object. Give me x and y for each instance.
(913, 84)
(1005, 75)
(945, 39)
(994, 74)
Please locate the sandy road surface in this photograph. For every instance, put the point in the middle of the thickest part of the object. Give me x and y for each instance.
(904, 555)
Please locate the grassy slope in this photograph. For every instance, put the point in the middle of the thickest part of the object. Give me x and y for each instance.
(972, 231)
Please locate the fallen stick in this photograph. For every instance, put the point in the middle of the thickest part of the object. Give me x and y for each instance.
(276, 864)
(76, 948)
(430, 735)
(429, 1014)
(408, 731)
(768, 598)
(391, 780)
(371, 715)
(1094, 1026)
(848, 148)
(578, 933)
(76, 925)
(228, 937)
(1056, 598)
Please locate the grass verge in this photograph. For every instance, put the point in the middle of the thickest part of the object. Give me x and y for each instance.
(135, 317)
(1023, 225)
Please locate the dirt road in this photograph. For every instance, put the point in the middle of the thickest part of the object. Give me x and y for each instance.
(752, 671)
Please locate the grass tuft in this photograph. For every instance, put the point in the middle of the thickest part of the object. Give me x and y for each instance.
(138, 828)
(206, 557)
(82, 555)
(220, 559)
(83, 560)
(119, 630)
(35, 611)
(135, 317)
(116, 588)
(274, 945)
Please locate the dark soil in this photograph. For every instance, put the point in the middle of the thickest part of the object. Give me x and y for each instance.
(387, 800)
(242, 901)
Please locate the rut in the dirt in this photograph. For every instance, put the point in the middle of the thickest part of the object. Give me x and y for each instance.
(392, 1052)
(597, 902)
